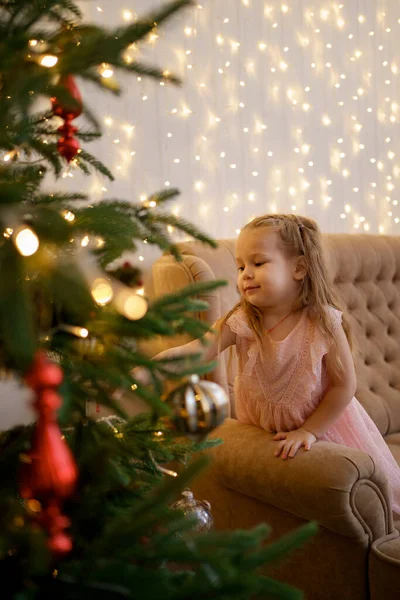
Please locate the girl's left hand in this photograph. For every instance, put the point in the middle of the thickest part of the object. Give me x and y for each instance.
(292, 441)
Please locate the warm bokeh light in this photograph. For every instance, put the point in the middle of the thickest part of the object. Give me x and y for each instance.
(131, 304)
(48, 60)
(102, 291)
(26, 241)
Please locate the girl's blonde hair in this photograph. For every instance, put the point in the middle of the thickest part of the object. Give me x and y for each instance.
(300, 236)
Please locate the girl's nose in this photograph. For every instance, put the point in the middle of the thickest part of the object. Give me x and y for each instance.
(247, 274)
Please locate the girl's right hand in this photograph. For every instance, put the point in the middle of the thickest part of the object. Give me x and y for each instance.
(289, 442)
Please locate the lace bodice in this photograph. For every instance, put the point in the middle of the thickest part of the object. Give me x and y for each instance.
(279, 386)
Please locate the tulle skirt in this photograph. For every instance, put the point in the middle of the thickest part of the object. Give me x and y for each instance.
(356, 429)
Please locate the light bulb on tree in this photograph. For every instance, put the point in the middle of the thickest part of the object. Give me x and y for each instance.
(135, 307)
(106, 71)
(26, 241)
(68, 215)
(80, 332)
(48, 60)
(132, 305)
(102, 291)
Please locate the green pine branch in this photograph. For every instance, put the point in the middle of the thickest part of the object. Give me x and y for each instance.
(21, 14)
(127, 539)
(86, 157)
(149, 71)
(59, 198)
(96, 46)
(20, 184)
(48, 151)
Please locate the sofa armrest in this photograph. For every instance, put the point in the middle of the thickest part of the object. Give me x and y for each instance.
(339, 487)
(168, 277)
(384, 567)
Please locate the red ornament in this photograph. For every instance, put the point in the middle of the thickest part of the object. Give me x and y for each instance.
(68, 146)
(66, 111)
(45, 374)
(49, 474)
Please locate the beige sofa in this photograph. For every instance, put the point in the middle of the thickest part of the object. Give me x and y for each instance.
(356, 554)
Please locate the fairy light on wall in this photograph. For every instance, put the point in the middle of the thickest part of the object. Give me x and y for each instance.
(263, 120)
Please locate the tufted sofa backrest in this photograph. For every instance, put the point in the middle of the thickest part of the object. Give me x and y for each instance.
(366, 273)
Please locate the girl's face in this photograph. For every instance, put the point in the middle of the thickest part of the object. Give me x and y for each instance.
(267, 276)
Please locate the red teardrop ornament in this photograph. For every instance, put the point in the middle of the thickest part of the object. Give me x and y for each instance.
(65, 110)
(48, 473)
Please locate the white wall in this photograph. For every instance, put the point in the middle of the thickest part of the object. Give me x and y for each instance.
(296, 66)
(285, 106)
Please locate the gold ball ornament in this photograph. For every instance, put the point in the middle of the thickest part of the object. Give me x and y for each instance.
(200, 509)
(199, 407)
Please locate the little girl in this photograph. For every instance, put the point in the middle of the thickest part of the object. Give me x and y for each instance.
(295, 369)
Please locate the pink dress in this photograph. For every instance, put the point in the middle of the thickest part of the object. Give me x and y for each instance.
(281, 394)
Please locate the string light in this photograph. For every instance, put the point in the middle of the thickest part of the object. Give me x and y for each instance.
(135, 307)
(10, 155)
(68, 215)
(80, 332)
(26, 241)
(49, 60)
(106, 71)
(346, 139)
(131, 304)
(127, 15)
(102, 291)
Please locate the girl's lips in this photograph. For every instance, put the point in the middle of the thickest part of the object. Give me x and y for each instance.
(252, 289)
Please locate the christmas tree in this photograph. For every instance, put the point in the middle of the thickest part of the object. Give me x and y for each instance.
(87, 505)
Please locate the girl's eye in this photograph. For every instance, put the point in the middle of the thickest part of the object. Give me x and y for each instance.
(240, 268)
(259, 264)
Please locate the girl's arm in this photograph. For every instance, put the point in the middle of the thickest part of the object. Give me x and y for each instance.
(341, 392)
(214, 344)
(209, 346)
(331, 407)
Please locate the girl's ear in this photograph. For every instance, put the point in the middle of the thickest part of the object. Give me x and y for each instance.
(300, 269)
